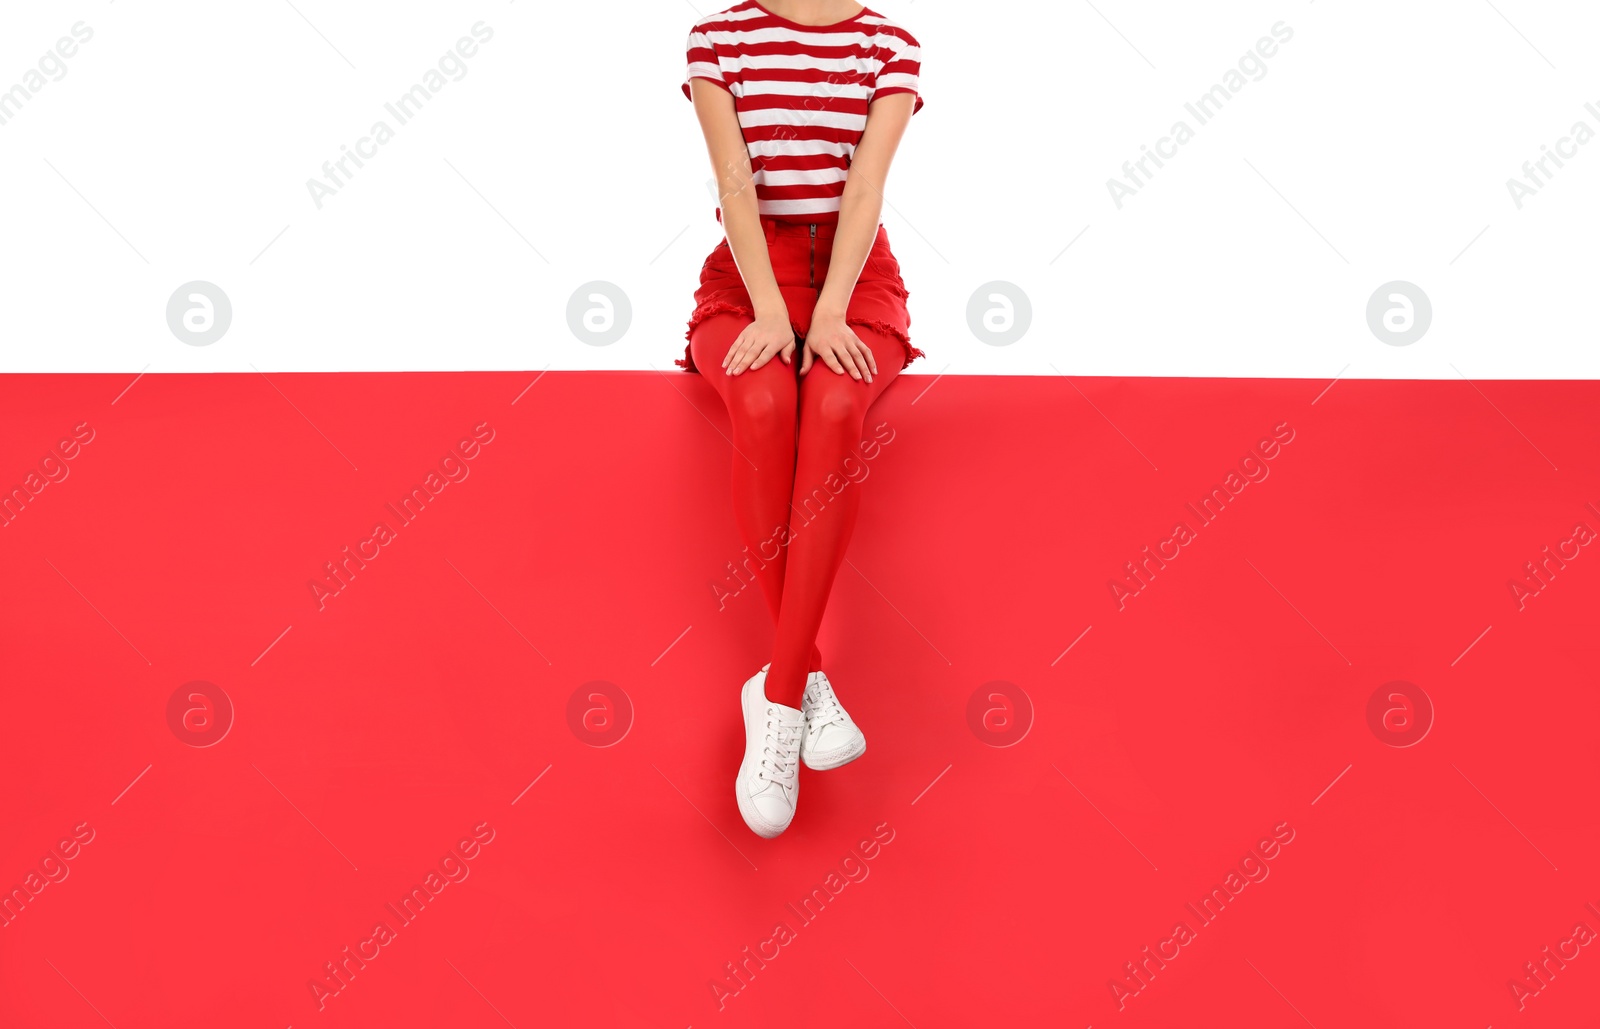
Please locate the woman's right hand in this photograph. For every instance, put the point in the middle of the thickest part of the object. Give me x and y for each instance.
(757, 344)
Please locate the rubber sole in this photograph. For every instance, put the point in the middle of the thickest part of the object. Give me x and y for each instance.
(837, 758)
(761, 829)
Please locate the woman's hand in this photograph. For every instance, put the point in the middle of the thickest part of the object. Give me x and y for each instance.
(759, 341)
(836, 345)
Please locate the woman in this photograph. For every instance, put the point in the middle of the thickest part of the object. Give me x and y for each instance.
(800, 324)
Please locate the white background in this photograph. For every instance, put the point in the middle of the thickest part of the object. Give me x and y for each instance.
(178, 145)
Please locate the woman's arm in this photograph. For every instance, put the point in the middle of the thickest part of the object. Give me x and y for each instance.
(859, 212)
(771, 332)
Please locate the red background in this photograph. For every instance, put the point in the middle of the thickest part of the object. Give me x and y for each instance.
(434, 689)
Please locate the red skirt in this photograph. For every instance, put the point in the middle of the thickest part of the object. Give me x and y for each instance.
(799, 253)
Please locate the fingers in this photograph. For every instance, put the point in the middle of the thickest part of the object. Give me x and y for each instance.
(846, 350)
(859, 351)
(761, 355)
(806, 357)
(735, 350)
(831, 359)
(748, 352)
(861, 354)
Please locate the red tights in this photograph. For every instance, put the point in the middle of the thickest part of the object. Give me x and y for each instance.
(792, 437)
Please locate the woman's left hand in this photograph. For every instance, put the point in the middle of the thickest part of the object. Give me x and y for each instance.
(836, 345)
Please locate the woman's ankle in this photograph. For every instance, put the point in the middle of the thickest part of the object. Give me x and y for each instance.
(785, 685)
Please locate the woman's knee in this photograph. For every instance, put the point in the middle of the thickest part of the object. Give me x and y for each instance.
(834, 403)
(762, 402)
(832, 412)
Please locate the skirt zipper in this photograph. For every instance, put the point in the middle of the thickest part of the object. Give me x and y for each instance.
(813, 255)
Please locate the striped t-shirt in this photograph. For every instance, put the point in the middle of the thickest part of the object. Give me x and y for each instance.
(802, 92)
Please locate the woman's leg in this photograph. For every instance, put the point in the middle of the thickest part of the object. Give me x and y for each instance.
(827, 496)
(763, 407)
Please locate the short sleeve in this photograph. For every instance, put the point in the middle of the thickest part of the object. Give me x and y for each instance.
(902, 64)
(703, 63)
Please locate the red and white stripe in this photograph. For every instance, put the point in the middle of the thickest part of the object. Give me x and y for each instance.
(802, 93)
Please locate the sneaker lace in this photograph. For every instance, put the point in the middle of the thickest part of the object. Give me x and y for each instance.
(782, 746)
(825, 706)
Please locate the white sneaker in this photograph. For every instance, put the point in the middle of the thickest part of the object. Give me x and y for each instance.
(831, 738)
(768, 787)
